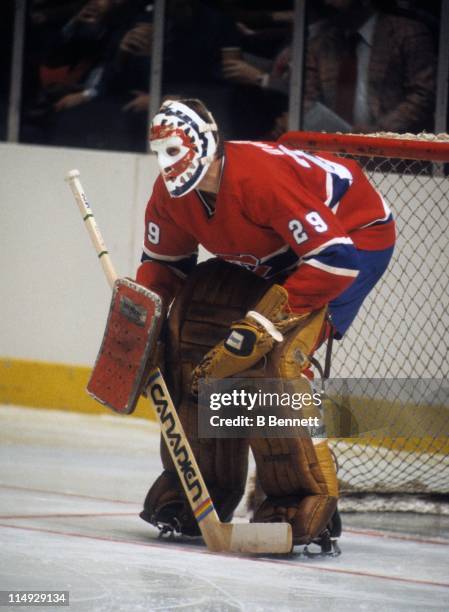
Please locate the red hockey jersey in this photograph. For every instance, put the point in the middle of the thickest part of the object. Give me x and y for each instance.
(278, 210)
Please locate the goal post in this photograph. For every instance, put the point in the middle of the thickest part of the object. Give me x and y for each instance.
(401, 331)
(421, 147)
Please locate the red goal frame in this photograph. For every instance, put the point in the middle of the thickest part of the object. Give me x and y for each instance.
(425, 147)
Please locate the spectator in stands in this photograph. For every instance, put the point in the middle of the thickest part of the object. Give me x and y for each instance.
(127, 74)
(259, 66)
(94, 22)
(258, 77)
(71, 68)
(195, 32)
(376, 71)
(75, 89)
(124, 99)
(190, 62)
(260, 72)
(137, 43)
(266, 80)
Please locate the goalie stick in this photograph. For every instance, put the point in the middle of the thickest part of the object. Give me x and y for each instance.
(274, 538)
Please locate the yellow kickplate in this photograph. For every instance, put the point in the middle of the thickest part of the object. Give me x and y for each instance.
(52, 385)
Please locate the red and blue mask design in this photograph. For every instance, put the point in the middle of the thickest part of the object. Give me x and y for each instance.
(185, 145)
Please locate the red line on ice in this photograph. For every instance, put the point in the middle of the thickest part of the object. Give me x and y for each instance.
(260, 560)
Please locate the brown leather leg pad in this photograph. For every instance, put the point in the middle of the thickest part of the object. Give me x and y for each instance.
(313, 514)
(300, 482)
(308, 516)
(288, 466)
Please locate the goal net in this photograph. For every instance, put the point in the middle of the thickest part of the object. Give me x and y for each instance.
(401, 332)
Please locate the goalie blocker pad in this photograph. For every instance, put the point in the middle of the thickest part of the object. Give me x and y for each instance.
(129, 341)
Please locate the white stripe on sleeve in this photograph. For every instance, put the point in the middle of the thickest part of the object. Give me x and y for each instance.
(331, 269)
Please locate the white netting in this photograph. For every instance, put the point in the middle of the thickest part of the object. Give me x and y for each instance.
(421, 137)
(402, 329)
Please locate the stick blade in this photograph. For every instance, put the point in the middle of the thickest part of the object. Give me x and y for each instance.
(268, 538)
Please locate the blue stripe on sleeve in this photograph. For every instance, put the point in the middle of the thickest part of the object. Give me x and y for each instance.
(339, 256)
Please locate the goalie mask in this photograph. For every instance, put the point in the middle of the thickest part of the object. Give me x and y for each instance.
(185, 146)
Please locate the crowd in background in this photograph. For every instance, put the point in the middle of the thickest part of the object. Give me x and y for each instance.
(369, 65)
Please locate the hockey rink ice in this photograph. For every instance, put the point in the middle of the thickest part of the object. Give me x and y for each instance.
(71, 488)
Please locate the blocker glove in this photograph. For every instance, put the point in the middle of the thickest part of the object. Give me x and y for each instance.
(250, 338)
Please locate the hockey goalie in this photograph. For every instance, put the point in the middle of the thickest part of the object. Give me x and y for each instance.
(299, 241)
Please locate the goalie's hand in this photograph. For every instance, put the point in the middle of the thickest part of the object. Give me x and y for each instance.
(249, 339)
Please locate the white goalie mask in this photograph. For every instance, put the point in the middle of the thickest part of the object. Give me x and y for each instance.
(185, 146)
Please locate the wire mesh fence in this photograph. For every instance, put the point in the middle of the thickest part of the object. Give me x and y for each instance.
(401, 332)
